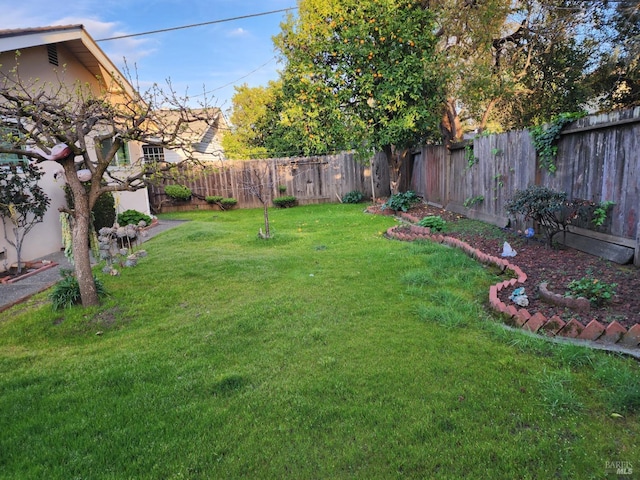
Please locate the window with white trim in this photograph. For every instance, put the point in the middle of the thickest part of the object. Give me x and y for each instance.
(153, 153)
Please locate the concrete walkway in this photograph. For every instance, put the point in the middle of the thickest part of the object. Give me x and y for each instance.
(17, 292)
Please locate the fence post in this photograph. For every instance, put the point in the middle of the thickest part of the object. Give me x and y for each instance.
(636, 255)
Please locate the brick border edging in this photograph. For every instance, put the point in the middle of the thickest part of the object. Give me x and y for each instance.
(614, 333)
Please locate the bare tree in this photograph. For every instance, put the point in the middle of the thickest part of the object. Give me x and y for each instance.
(82, 128)
(257, 181)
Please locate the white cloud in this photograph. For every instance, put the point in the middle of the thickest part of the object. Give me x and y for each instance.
(238, 32)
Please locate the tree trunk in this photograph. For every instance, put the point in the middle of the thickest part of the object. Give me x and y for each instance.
(395, 159)
(82, 258)
(267, 233)
(80, 238)
(450, 125)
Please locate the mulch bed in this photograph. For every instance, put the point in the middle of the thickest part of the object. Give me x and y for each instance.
(558, 267)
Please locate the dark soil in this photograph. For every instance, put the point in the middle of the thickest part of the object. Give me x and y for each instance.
(557, 266)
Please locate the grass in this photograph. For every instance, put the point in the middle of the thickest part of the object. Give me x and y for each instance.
(326, 352)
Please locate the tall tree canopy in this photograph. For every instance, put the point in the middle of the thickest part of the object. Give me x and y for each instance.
(360, 75)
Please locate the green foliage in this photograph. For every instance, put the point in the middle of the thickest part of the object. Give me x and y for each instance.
(133, 217)
(542, 205)
(469, 155)
(282, 189)
(597, 292)
(600, 212)
(222, 202)
(434, 222)
(471, 201)
(252, 120)
(359, 75)
(545, 138)
(22, 202)
(401, 201)
(353, 196)
(178, 192)
(285, 202)
(227, 203)
(66, 293)
(104, 211)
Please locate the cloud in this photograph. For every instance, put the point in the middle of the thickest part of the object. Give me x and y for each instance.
(238, 32)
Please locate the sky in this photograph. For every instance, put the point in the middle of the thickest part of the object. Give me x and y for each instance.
(211, 58)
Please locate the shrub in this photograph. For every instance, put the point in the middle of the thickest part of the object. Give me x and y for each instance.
(401, 201)
(213, 198)
(285, 202)
(282, 189)
(542, 205)
(597, 292)
(66, 293)
(227, 203)
(178, 192)
(104, 210)
(353, 196)
(133, 217)
(433, 222)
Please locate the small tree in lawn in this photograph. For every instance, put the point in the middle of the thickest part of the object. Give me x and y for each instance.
(84, 127)
(22, 202)
(257, 182)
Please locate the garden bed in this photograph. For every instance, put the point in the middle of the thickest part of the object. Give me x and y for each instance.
(557, 266)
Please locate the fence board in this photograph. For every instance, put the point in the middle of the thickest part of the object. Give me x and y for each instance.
(309, 179)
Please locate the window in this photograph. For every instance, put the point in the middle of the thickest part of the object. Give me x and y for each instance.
(8, 134)
(121, 157)
(153, 154)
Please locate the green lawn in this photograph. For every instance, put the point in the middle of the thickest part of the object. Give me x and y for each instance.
(326, 352)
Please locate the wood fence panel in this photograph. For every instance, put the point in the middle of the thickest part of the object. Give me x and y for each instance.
(309, 179)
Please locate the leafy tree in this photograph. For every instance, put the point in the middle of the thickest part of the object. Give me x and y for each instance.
(618, 77)
(512, 64)
(360, 74)
(82, 127)
(22, 201)
(251, 121)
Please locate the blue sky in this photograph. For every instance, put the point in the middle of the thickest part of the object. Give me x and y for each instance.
(214, 57)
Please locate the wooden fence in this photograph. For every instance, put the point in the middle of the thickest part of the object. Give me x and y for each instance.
(309, 179)
(598, 160)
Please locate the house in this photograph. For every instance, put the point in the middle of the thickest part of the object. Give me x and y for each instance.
(204, 135)
(50, 54)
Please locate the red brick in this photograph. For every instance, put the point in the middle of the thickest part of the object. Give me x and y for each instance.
(536, 322)
(572, 329)
(613, 333)
(493, 293)
(553, 326)
(511, 311)
(592, 331)
(632, 337)
(522, 317)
